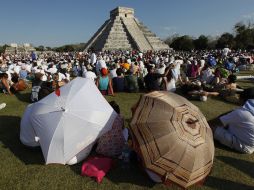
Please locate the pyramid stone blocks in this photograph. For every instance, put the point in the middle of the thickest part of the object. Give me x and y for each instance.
(124, 32)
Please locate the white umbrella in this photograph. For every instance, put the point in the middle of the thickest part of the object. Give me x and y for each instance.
(27, 133)
(68, 125)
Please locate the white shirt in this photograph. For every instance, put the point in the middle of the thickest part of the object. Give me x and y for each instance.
(99, 65)
(225, 51)
(52, 70)
(171, 85)
(90, 75)
(177, 69)
(17, 69)
(113, 73)
(202, 63)
(93, 58)
(61, 77)
(241, 124)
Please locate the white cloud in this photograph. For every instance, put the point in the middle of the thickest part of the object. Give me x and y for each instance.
(169, 28)
(248, 16)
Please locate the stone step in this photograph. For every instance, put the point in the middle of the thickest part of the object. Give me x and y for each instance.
(115, 41)
(136, 34)
(117, 29)
(117, 33)
(117, 47)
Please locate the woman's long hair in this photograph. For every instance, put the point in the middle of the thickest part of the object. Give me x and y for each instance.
(169, 75)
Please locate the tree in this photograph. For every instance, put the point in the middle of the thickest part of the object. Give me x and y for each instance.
(244, 36)
(212, 41)
(201, 43)
(184, 43)
(40, 48)
(170, 39)
(65, 48)
(239, 27)
(2, 48)
(48, 48)
(224, 40)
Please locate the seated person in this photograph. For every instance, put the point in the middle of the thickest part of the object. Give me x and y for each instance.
(237, 130)
(18, 84)
(229, 90)
(169, 82)
(4, 83)
(217, 77)
(23, 72)
(195, 90)
(57, 82)
(112, 142)
(131, 82)
(151, 79)
(118, 82)
(104, 83)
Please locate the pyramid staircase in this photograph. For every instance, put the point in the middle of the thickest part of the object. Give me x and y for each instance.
(156, 42)
(136, 34)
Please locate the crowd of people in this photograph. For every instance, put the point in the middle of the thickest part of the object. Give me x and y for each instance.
(196, 74)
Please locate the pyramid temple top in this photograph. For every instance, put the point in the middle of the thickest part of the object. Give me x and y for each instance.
(122, 12)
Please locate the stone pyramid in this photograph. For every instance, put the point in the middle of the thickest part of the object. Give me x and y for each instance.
(124, 32)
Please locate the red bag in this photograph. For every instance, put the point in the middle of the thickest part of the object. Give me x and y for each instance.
(96, 167)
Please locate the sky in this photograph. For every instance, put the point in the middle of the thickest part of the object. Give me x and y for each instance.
(58, 22)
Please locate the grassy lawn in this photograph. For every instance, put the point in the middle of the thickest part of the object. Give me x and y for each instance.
(24, 168)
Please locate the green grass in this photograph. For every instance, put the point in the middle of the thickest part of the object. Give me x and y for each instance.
(23, 168)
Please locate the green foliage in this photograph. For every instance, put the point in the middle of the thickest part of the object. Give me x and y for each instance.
(170, 39)
(225, 39)
(70, 48)
(40, 48)
(201, 43)
(184, 43)
(2, 48)
(243, 38)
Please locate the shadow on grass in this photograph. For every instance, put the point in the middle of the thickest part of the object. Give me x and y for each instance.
(9, 136)
(222, 184)
(132, 175)
(117, 174)
(242, 165)
(23, 97)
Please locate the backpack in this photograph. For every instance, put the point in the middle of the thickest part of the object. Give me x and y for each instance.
(35, 93)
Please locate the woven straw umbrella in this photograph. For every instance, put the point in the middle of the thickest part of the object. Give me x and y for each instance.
(173, 138)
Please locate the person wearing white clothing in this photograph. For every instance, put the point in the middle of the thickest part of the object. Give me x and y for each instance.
(176, 70)
(226, 51)
(169, 82)
(99, 65)
(52, 70)
(93, 59)
(240, 132)
(90, 75)
(113, 73)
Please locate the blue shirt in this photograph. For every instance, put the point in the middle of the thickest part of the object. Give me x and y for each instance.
(103, 83)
